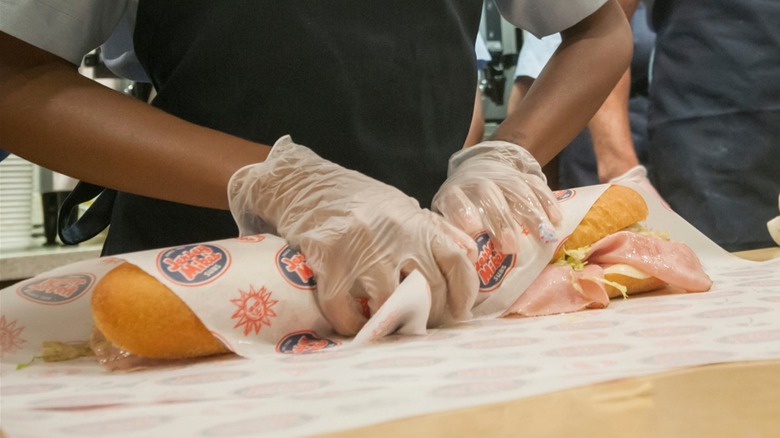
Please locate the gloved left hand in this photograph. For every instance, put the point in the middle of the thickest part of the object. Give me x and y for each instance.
(498, 187)
(638, 175)
(361, 237)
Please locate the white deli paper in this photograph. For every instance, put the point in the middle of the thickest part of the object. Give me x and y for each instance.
(483, 361)
(256, 294)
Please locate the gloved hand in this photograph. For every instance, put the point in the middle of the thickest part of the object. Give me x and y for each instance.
(360, 237)
(638, 175)
(498, 187)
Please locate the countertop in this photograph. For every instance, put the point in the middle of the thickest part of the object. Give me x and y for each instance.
(759, 255)
(21, 263)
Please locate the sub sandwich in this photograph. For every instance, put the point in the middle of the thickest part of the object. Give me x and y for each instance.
(611, 254)
(137, 314)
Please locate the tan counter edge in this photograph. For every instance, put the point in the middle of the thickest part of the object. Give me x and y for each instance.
(759, 255)
(724, 400)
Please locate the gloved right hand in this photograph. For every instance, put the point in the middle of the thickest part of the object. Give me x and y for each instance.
(499, 187)
(361, 237)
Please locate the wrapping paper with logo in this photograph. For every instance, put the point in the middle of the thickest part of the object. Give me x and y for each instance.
(256, 294)
(504, 277)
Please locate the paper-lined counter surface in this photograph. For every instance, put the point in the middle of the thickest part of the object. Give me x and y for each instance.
(480, 362)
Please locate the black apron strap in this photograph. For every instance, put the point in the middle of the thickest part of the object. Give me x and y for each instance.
(73, 229)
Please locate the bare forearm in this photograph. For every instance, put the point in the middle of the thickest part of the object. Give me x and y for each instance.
(53, 116)
(610, 127)
(591, 58)
(610, 131)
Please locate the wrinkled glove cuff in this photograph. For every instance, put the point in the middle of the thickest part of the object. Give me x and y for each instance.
(638, 171)
(243, 185)
(511, 154)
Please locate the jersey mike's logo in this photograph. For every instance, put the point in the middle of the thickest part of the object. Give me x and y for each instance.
(57, 290)
(563, 195)
(492, 266)
(304, 342)
(292, 265)
(193, 265)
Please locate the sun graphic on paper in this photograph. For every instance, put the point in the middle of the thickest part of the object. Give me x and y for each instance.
(254, 310)
(9, 336)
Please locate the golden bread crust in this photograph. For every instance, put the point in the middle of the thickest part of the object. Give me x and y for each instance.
(617, 208)
(140, 315)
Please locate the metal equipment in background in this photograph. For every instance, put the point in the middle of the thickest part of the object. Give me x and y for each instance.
(503, 41)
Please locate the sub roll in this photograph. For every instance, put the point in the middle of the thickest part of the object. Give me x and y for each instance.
(610, 254)
(140, 315)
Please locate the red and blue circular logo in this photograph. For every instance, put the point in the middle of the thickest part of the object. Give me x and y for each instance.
(57, 290)
(492, 266)
(193, 265)
(564, 195)
(304, 342)
(292, 265)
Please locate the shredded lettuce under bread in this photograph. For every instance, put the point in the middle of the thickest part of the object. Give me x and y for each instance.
(575, 258)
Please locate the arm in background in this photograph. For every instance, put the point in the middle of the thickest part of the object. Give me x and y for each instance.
(610, 128)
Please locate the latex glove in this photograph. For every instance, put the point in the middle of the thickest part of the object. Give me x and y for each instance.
(638, 175)
(498, 187)
(360, 237)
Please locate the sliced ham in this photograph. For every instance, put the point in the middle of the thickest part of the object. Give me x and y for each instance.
(560, 289)
(671, 262)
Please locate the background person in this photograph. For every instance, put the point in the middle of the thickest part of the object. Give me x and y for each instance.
(714, 120)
